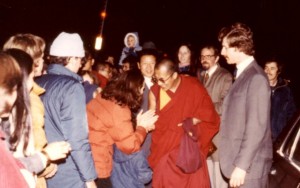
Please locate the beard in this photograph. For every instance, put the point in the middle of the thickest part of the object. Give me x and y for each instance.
(205, 65)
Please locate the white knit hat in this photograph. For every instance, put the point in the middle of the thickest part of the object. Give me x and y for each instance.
(67, 45)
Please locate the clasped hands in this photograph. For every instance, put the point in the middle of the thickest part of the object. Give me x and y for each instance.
(195, 121)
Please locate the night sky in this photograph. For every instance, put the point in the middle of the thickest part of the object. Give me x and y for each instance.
(275, 23)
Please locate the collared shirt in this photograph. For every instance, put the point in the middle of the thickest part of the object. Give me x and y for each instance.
(212, 69)
(148, 82)
(242, 66)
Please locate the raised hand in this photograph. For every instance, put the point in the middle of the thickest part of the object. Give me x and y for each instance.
(147, 120)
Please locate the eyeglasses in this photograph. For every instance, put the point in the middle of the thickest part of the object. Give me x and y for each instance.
(206, 56)
(155, 80)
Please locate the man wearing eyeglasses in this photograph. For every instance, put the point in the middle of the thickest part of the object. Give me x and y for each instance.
(177, 98)
(217, 81)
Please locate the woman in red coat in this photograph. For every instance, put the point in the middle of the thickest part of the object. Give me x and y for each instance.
(111, 121)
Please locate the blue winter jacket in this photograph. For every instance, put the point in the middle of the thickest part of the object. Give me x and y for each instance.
(130, 171)
(126, 51)
(282, 107)
(66, 120)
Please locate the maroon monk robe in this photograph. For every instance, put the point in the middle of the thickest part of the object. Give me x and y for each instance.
(190, 100)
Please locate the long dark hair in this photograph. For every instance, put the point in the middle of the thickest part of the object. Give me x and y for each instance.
(193, 63)
(124, 89)
(22, 118)
(10, 74)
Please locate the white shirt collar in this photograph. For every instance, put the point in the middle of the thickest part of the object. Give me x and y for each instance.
(148, 82)
(212, 69)
(242, 66)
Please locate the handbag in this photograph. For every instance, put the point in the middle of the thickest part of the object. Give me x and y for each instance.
(189, 158)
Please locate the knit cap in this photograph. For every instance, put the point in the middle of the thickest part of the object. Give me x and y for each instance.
(67, 45)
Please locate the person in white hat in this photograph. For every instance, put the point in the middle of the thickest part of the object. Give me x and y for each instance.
(65, 112)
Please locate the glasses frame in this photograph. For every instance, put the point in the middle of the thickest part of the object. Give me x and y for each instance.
(155, 80)
(207, 56)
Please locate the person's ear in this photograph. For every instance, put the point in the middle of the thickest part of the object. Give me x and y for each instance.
(278, 72)
(138, 65)
(175, 75)
(217, 59)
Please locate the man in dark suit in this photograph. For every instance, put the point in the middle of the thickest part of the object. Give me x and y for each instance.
(146, 64)
(246, 145)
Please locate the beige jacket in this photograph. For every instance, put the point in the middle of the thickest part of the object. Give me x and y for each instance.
(40, 141)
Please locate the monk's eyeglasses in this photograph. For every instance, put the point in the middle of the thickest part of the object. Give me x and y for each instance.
(156, 80)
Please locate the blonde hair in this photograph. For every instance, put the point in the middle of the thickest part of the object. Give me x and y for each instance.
(32, 44)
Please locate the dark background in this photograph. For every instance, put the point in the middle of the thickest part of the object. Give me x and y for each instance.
(275, 23)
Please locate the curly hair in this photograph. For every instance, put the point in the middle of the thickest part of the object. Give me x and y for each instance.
(58, 60)
(240, 36)
(125, 89)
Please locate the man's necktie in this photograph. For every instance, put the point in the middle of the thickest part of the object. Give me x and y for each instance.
(206, 76)
(234, 74)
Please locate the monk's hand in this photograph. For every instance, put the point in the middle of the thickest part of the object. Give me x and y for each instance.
(195, 122)
(237, 177)
(147, 120)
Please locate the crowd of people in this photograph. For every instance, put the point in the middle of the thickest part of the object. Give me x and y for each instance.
(71, 120)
